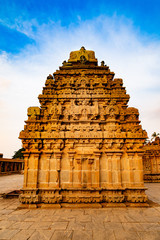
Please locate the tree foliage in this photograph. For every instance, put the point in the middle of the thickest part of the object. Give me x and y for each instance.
(154, 135)
(18, 154)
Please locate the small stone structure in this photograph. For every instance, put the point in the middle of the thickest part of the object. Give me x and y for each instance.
(151, 161)
(84, 144)
(8, 166)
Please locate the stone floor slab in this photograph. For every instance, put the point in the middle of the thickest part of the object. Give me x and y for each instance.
(113, 226)
(21, 225)
(151, 227)
(59, 225)
(5, 224)
(41, 235)
(149, 235)
(23, 234)
(65, 235)
(83, 218)
(126, 235)
(81, 235)
(41, 225)
(73, 225)
(133, 227)
(103, 235)
(7, 233)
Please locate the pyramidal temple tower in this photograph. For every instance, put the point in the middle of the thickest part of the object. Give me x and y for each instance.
(83, 144)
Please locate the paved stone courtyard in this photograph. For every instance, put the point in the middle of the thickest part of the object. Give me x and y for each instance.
(10, 183)
(76, 224)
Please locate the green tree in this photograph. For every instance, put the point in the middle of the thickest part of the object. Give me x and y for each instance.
(154, 135)
(18, 154)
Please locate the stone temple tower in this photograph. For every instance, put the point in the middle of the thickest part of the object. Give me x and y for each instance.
(83, 145)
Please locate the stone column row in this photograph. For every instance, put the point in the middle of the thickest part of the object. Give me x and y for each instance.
(124, 170)
(10, 166)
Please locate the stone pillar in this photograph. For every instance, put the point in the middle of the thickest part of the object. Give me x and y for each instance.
(11, 166)
(109, 169)
(71, 161)
(137, 169)
(26, 157)
(90, 162)
(151, 163)
(58, 156)
(23, 166)
(131, 167)
(79, 163)
(6, 166)
(84, 173)
(18, 166)
(139, 174)
(126, 169)
(157, 163)
(97, 155)
(48, 155)
(15, 167)
(116, 170)
(36, 167)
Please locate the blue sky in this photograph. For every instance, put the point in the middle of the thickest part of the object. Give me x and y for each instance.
(144, 15)
(36, 36)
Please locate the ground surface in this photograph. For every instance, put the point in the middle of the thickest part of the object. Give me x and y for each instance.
(10, 183)
(77, 224)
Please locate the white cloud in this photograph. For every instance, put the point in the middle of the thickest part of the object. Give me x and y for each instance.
(133, 57)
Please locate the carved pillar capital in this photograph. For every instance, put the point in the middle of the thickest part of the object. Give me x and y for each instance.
(79, 160)
(36, 155)
(109, 154)
(26, 154)
(90, 160)
(58, 154)
(97, 154)
(48, 153)
(71, 154)
(118, 154)
(130, 154)
(140, 154)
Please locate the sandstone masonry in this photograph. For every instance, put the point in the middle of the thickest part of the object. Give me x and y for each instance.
(84, 144)
(151, 161)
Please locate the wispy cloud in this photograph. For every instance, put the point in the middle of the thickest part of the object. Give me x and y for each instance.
(132, 56)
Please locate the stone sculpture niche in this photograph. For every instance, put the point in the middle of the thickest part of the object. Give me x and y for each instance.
(84, 144)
